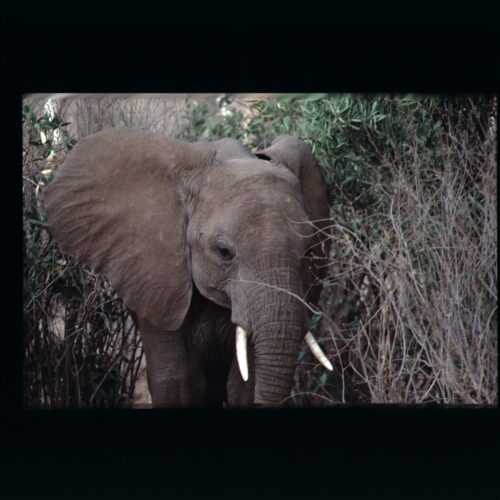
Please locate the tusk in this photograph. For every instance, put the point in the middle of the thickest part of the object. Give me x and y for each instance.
(317, 351)
(241, 352)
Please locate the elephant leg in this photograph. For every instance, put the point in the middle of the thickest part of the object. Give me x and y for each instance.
(174, 377)
(210, 342)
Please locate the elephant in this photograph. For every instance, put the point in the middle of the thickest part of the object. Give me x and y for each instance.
(218, 253)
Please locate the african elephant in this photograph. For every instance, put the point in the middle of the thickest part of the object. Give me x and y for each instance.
(205, 244)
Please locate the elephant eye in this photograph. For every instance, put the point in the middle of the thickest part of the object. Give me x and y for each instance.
(223, 251)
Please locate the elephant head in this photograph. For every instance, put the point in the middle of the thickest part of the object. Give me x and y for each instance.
(158, 217)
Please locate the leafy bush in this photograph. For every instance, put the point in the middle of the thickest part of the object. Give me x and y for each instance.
(418, 269)
(209, 120)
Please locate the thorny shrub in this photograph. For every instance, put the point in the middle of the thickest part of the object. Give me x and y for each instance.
(419, 272)
(81, 348)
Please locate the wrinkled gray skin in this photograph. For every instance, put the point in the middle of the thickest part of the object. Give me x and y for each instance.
(157, 216)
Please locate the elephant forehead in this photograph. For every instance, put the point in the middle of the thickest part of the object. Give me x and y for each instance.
(266, 201)
(255, 176)
(247, 193)
(260, 197)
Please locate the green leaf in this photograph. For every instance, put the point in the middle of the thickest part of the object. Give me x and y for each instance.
(314, 97)
(346, 251)
(314, 322)
(286, 123)
(44, 125)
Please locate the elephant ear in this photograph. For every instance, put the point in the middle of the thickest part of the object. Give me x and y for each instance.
(296, 155)
(117, 204)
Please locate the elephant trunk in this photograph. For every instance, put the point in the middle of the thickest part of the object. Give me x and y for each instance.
(276, 351)
(278, 321)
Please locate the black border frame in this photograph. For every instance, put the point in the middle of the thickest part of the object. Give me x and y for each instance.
(357, 447)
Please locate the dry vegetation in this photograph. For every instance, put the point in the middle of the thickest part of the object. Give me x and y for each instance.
(411, 299)
(81, 347)
(410, 302)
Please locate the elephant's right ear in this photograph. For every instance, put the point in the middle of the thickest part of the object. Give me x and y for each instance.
(117, 205)
(297, 156)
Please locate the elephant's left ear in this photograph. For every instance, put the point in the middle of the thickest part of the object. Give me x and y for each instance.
(298, 157)
(117, 204)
